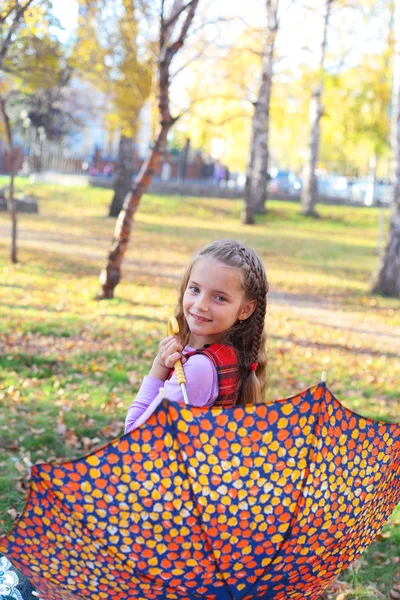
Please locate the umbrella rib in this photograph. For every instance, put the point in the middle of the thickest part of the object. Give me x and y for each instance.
(296, 512)
(202, 525)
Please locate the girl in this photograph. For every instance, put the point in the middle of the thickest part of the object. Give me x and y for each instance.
(221, 312)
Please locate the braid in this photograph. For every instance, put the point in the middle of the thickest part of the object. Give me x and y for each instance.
(260, 311)
(249, 340)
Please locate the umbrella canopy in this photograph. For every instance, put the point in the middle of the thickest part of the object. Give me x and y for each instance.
(267, 501)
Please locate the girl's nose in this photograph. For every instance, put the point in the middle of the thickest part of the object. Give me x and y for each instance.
(202, 304)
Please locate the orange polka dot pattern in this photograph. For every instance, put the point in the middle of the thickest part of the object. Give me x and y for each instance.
(268, 501)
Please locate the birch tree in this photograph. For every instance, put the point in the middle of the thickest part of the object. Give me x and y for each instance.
(386, 279)
(309, 193)
(257, 166)
(173, 31)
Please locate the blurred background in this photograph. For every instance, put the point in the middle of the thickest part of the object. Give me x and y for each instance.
(68, 117)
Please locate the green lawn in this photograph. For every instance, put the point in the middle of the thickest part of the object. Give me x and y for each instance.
(70, 366)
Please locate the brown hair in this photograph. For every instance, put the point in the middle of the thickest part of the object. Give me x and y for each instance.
(247, 337)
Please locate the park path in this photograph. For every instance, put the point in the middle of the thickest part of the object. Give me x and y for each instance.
(312, 309)
(317, 311)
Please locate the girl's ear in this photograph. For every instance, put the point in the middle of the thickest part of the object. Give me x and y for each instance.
(247, 310)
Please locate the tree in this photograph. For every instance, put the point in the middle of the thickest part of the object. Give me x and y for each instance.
(42, 101)
(257, 169)
(108, 54)
(360, 129)
(14, 16)
(386, 280)
(52, 107)
(179, 18)
(309, 191)
(221, 98)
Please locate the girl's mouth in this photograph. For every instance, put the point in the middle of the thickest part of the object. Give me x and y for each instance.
(200, 319)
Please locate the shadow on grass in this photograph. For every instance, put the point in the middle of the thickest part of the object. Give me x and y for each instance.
(44, 367)
(17, 287)
(84, 266)
(63, 321)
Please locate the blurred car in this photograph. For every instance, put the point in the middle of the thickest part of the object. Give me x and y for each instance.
(382, 193)
(285, 182)
(335, 186)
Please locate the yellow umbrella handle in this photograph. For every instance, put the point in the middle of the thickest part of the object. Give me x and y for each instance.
(173, 329)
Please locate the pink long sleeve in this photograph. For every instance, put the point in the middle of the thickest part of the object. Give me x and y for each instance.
(201, 386)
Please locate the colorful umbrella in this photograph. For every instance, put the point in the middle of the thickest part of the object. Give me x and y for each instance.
(267, 501)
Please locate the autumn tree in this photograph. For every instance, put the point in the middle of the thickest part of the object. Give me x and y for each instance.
(360, 130)
(109, 56)
(12, 17)
(27, 62)
(221, 99)
(386, 280)
(257, 168)
(174, 25)
(43, 102)
(309, 193)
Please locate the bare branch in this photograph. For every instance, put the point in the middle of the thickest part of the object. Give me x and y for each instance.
(162, 28)
(288, 7)
(228, 119)
(173, 49)
(220, 20)
(12, 30)
(7, 14)
(198, 55)
(175, 17)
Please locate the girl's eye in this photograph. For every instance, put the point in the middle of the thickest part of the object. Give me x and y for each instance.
(194, 288)
(220, 298)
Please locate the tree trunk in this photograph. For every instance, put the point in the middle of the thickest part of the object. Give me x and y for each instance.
(309, 194)
(123, 175)
(183, 161)
(111, 275)
(11, 202)
(371, 181)
(257, 166)
(386, 280)
(12, 208)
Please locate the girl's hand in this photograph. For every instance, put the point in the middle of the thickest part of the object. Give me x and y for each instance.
(169, 351)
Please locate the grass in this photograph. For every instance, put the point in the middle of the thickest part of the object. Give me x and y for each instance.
(70, 366)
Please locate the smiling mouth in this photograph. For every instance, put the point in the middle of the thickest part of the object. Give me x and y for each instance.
(200, 319)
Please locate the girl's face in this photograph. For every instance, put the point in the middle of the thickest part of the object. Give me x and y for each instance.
(213, 301)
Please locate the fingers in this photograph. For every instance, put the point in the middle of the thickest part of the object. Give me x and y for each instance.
(170, 350)
(170, 343)
(172, 358)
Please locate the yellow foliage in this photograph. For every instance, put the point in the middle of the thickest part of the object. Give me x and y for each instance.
(360, 129)
(221, 100)
(112, 61)
(36, 21)
(33, 60)
(355, 124)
